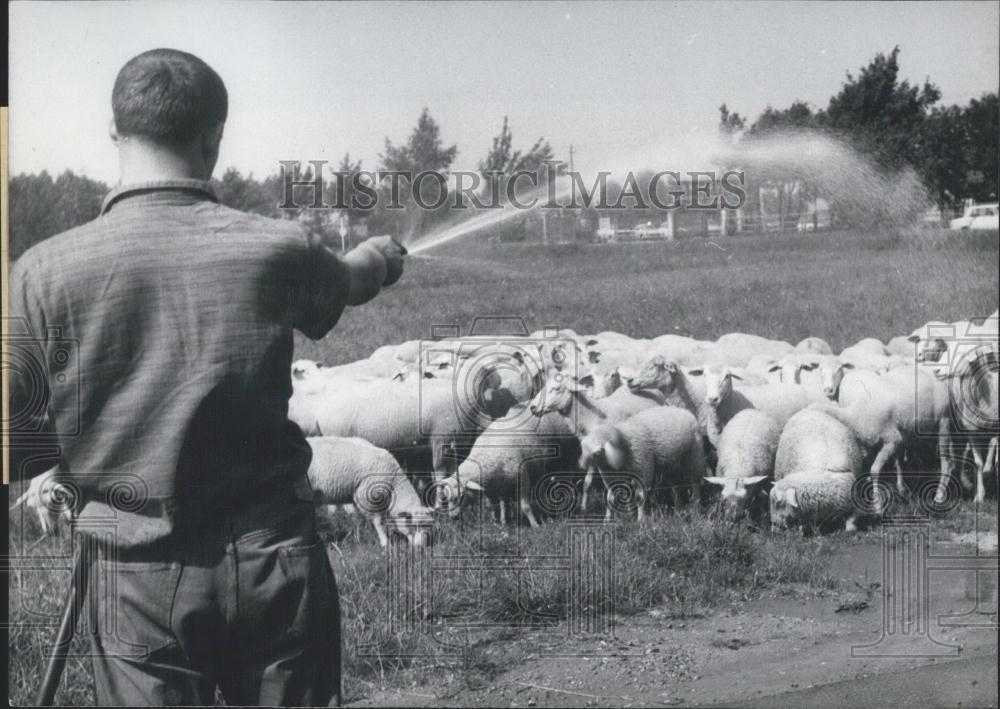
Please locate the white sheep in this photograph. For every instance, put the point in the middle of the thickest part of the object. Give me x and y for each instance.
(507, 463)
(568, 397)
(737, 348)
(428, 425)
(813, 345)
(975, 428)
(51, 501)
(353, 471)
(659, 449)
(746, 452)
(779, 401)
(679, 387)
(814, 501)
(903, 404)
(864, 347)
(813, 441)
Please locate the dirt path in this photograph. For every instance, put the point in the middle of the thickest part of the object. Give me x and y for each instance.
(791, 650)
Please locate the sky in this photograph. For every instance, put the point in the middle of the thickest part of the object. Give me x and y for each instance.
(628, 85)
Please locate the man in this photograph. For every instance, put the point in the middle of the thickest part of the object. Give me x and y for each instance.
(168, 385)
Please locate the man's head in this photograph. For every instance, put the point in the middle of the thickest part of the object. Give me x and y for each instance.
(170, 105)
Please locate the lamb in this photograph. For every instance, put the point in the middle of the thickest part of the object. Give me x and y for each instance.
(813, 501)
(746, 452)
(51, 500)
(661, 447)
(894, 410)
(568, 398)
(506, 464)
(352, 470)
(813, 441)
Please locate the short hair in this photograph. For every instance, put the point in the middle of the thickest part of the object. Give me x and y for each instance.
(168, 96)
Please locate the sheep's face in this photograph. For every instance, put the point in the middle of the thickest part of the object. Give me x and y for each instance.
(556, 396)
(737, 494)
(784, 507)
(656, 373)
(606, 382)
(831, 375)
(718, 384)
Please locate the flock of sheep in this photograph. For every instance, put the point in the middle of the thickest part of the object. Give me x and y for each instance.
(794, 432)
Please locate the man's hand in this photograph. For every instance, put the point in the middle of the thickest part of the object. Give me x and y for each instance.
(393, 252)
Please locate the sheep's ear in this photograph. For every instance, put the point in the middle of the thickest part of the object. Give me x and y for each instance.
(587, 380)
(774, 367)
(696, 372)
(753, 480)
(472, 485)
(519, 356)
(809, 366)
(398, 375)
(594, 357)
(913, 338)
(791, 497)
(715, 480)
(591, 343)
(734, 375)
(847, 365)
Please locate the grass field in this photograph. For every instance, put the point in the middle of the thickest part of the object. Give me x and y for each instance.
(839, 286)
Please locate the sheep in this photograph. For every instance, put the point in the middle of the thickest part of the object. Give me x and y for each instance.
(427, 425)
(505, 463)
(813, 441)
(51, 500)
(974, 426)
(897, 407)
(679, 387)
(737, 348)
(813, 501)
(746, 452)
(779, 401)
(902, 346)
(661, 447)
(813, 345)
(864, 347)
(568, 398)
(353, 471)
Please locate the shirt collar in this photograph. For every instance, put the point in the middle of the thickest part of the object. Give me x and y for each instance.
(159, 190)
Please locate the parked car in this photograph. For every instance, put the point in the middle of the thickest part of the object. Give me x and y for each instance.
(978, 217)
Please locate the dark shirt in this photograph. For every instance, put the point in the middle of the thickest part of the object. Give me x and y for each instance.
(164, 334)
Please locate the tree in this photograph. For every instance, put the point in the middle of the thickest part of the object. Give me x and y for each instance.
(880, 115)
(981, 120)
(730, 124)
(41, 207)
(422, 152)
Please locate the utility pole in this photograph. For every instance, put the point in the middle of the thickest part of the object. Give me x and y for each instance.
(571, 157)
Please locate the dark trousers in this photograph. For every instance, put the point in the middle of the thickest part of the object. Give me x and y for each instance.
(249, 606)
